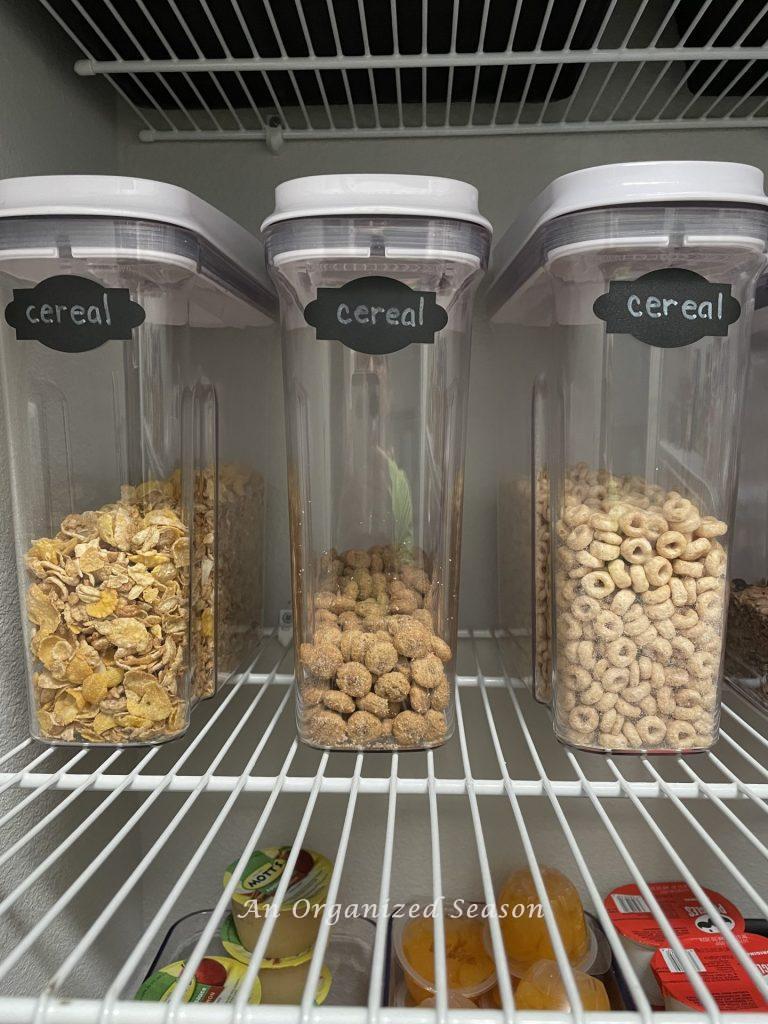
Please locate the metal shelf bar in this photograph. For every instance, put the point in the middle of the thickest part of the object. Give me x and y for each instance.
(311, 51)
(702, 994)
(121, 92)
(434, 131)
(254, 50)
(185, 876)
(123, 891)
(191, 37)
(107, 778)
(566, 46)
(566, 971)
(707, 81)
(585, 68)
(321, 942)
(617, 948)
(688, 876)
(378, 964)
(155, 28)
(497, 942)
(42, 868)
(91, 67)
(260, 61)
(711, 778)
(344, 75)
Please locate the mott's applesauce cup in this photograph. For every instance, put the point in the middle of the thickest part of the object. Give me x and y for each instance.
(216, 980)
(283, 978)
(639, 930)
(721, 971)
(298, 919)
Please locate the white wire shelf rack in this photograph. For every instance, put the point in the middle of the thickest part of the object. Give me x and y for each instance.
(281, 69)
(504, 775)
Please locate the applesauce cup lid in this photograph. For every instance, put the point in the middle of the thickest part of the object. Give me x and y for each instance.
(399, 926)
(634, 921)
(264, 870)
(216, 980)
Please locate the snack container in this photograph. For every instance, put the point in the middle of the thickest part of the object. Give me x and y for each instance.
(300, 914)
(642, 278)
(746, 646)
(723, 974)
(134, 524)
(375, 275)
(470, 969)
(524, 930)
(639, 930)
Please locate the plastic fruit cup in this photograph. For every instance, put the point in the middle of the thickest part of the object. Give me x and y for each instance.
(470, 970)
(524, 928)
(542, 988)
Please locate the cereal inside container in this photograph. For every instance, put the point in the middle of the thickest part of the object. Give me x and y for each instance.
(138, 520)
(375, 275)
(641, 279)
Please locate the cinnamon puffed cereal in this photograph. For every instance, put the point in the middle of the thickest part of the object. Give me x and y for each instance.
(374, 674)
(640, 603)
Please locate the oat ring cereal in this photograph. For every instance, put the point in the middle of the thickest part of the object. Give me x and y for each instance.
(598, 584)
(638, 607)
(636, 550)
(585, 608)
(584, 719)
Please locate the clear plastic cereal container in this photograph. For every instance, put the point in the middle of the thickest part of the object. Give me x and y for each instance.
(375, 275)
(138, 519)
(643, 277)
(746, 643)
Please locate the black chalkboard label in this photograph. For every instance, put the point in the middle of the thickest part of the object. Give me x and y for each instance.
(375, 315)
(73, 314)
(668, 308)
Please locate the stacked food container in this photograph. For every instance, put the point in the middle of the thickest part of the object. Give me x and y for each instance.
(746, 654)
(138, 535)
(645, 275)
(376, 275)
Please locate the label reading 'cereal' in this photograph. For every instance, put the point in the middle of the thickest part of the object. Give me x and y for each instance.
(375, 315)
(632, 916)
(73, 314)
(668, 308)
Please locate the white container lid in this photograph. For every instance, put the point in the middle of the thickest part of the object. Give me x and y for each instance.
(631, 184)
(101, 195)
(363, 195)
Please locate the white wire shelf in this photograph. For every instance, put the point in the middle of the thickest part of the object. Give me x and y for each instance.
(227, 69)
(503, 771)
(489, 688)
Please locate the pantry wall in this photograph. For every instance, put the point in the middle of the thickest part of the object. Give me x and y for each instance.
(51, 121)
